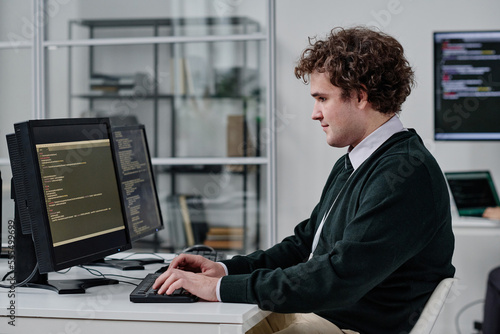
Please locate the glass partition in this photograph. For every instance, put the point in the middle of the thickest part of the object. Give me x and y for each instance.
(195, 73)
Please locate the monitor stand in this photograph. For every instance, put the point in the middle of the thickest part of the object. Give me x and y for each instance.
(125, 264)
(69, 286)
(118, 264)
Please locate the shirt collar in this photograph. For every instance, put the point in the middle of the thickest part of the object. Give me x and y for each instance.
(363, 150)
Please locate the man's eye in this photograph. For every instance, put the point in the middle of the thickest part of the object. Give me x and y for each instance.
(321, 99)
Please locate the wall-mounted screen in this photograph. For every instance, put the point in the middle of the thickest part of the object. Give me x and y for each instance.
(467, 85)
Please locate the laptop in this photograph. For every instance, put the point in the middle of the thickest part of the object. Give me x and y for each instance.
(472, 192)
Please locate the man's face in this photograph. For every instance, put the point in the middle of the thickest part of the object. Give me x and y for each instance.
(343, 121)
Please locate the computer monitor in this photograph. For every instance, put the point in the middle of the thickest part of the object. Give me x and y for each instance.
(466, 85)
(137, 184)
(68, 201)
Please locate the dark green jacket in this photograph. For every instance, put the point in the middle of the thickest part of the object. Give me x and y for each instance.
(384, 247)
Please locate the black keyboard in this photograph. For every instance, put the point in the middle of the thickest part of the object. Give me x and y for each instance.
(144, 293)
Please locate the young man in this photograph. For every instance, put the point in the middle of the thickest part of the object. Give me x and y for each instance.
(380, 239)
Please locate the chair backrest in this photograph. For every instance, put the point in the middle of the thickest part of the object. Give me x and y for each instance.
(433, 307)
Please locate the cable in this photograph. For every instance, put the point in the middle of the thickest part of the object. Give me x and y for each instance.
(140, 253)
(94, 272)
(97, 273)
(462, 310)
(6, 275)
(23, 282)
(64, 272)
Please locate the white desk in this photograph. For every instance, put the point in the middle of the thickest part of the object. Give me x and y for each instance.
(108, 308)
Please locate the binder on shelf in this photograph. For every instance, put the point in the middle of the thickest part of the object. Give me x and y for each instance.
(239, 141)
(178, 76)
(197, 217)
(187, 221)
(175, 223)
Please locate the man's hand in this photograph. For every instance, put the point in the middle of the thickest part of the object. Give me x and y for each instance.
(196, 283)
(492, 213)
(194, 273)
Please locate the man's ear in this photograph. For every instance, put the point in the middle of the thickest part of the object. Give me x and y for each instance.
(362, 98)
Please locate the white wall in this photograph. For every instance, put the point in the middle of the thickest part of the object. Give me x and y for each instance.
(15, 91)
(304, 159)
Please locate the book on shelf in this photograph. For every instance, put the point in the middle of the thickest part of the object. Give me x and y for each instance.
(225, 231)
(225, 237)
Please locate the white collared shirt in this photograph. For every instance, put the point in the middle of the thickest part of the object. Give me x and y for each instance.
(363, 150)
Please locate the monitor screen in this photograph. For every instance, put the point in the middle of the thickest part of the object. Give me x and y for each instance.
(67, 191)
(466, 85)
(137, 181)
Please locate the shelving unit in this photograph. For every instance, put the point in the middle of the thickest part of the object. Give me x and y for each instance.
(243, 89)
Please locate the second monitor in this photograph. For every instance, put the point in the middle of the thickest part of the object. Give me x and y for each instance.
(137, 181)
(139, 195)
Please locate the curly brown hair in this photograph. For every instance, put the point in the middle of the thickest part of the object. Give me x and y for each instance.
(359, 59)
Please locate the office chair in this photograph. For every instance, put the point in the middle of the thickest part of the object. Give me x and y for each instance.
(433, 307)
(491, 319)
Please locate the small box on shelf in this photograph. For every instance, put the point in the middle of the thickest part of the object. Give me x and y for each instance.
(124, 84)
